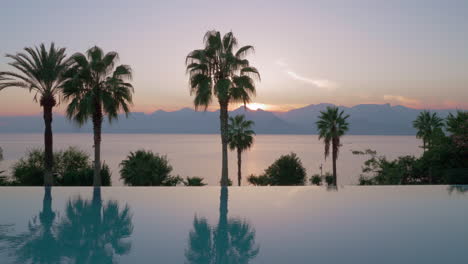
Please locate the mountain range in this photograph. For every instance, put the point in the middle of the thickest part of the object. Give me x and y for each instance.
(365, 119)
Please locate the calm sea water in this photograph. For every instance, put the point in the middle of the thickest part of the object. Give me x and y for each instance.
(200, 155)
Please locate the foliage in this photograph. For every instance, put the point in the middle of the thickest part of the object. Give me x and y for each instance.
(144, 168)
(457, 126)
(194, 181)
(331, 126)
(96, 86)
(72, 167)
(427, 125)
(329, 178)
(442, 164)
(287, 170)
(316, 180)
(240, 133)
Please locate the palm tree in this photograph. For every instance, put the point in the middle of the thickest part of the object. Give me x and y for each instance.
(40, 70)
(427, 124)
(331, 126)
(457, 124)
(219, 71)
(241, 138)
(97, 88)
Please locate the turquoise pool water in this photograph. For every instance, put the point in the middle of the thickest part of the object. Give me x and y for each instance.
(414, 224)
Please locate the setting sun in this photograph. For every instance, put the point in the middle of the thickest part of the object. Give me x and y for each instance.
(256, 106)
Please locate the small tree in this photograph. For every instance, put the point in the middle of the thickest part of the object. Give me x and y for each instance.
(144, 168)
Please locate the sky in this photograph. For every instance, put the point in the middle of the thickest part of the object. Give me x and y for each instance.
(402, 52)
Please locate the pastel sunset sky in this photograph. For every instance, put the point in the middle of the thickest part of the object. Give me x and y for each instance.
(408, 52)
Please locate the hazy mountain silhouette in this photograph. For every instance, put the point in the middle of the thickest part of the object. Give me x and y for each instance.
(366, 119)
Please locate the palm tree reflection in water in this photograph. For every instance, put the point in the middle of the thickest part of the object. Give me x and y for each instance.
(89, 232)
(231, 241)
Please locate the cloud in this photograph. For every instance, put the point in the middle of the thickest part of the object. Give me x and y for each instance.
(406, 101)
(321, 83)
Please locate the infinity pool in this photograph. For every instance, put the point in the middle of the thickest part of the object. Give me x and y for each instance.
(416, 224)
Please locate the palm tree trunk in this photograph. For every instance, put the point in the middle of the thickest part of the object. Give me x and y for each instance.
(239, 166)
(97, 124)
(334, 156)
(48, 144)
(223, 116)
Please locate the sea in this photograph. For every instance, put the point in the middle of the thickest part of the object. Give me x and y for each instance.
(200, 154)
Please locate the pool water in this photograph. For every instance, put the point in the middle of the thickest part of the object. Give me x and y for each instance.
(352, 224)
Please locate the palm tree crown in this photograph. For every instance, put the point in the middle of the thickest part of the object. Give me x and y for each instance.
(39, 70)
(96, 86)
(331, 126)
(218, 70)
(426, 124)
(240, 133)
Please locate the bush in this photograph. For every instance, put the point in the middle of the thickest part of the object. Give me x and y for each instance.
(287, 170)
(144, 168)
(194, 181)
(72, 167)
(316, 180)
(329, 179)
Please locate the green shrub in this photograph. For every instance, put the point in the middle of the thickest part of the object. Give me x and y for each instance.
(72, 167)
(316, 180)
(287, 170)
(194, 181)
(144, 168)
(329, 178)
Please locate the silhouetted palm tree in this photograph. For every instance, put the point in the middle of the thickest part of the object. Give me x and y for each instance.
(331, 126)
(219, 71)
(240, 138)
(457, 124)
(40, 70)
(231, 241)
(97, 88)
(427, 124)
(92, 232)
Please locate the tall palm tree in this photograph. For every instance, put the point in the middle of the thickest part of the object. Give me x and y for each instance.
(331, 126)
(219, 71)
(97, 88)
(427, 124)
(241, 138)
(40, 70)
